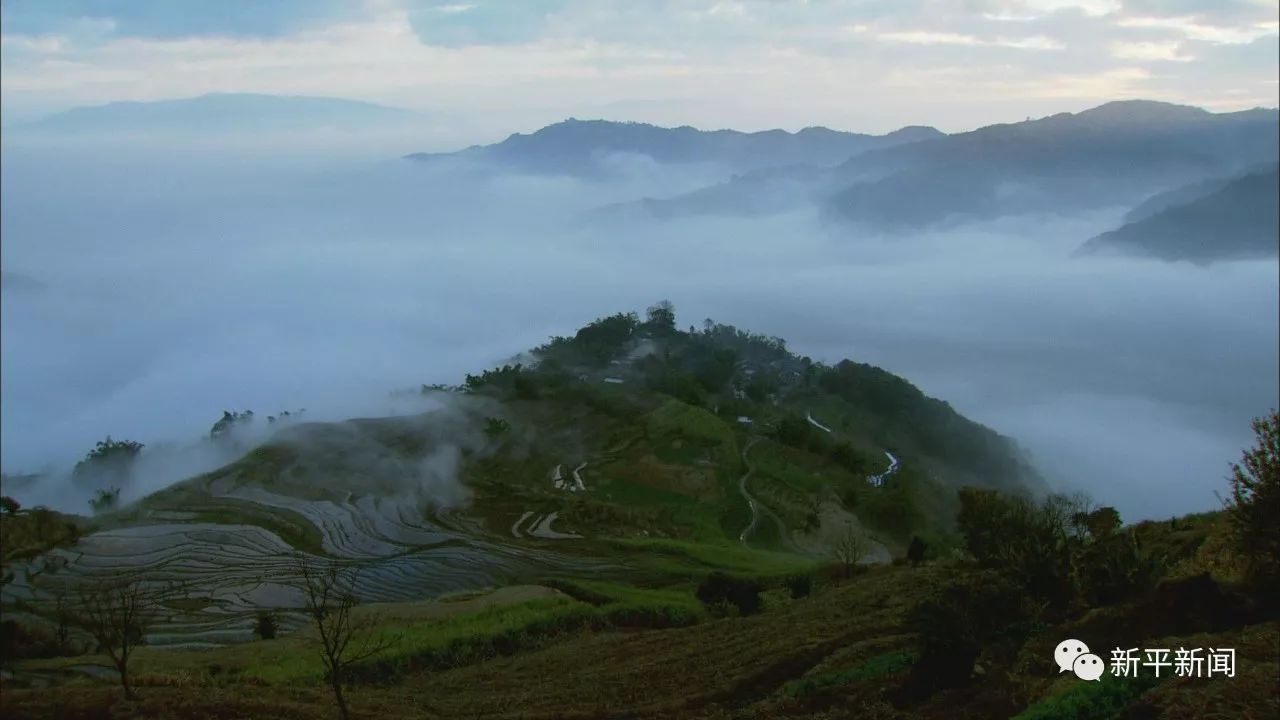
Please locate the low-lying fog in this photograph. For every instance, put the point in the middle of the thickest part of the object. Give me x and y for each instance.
(148, 290)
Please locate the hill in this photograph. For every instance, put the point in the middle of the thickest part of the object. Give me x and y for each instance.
(1217, 220)
(218, 113)
(637, 521)
(718, 445)
(1117, 153)
(580, 147)
(1108, 155)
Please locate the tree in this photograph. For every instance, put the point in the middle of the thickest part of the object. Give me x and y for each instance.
(1254, 510)
(63, 618)
(227, 423)
(604, 338)
(660, 318)
(109, 463)
(800, 586)
(493, 427)
(116, 612)
(1034, 542)
(329, 600)
(714, 367)
(1100, 523)
(719, 592)
(793, 430)
(915, 551)
(9, 505)
(849, 545)
(957, 622)
(851, 459)
(104, 499)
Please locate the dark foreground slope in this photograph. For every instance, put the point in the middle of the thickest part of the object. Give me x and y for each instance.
(854, 648)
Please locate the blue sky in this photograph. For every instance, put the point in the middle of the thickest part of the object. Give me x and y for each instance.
(497, 67)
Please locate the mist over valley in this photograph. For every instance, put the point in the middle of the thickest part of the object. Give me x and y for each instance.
(272, 280)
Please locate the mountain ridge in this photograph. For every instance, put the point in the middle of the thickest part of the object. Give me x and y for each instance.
(1220, 220)
(216, 110)
(574, 146)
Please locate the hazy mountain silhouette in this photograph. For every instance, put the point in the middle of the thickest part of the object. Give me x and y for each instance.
(1239, 219)
(578, 147)
(1112, 154)
(219, 112)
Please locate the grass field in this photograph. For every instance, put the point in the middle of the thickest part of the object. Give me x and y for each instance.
(534, 654)
(697, 559)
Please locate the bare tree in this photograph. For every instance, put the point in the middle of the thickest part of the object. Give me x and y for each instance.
(329, 597)
(849, 544)
(116, 612)
(63, 612)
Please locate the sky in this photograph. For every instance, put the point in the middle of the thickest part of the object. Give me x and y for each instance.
(486, 69)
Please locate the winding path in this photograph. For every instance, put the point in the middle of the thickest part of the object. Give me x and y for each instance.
(742, 488)
(809, 416)
(757, 507)
(878, 480)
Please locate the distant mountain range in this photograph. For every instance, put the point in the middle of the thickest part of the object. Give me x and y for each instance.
(17, 282)
(1119, 153)
(1113, 154)
(217, 112)
(1220, 219)
(1182, 170)
(582, 147)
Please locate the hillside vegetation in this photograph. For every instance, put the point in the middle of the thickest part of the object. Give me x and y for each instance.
(637, 521)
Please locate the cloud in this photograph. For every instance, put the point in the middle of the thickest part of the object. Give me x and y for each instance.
(1168, 50)
(1038, 42)
(1194, 29)
(455, 24)
(486, 69)
(167, 19)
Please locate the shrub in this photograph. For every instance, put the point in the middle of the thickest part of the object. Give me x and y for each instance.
(720, 590)
(1100, 700)
(578, 592)
(266, 625)
(1029, 541)
(1254, 511)
(494, 427)
(104, 499)
(18, 642)
(640, 615)
(851, 459)
(959, 621)
(1056, 551)
(1113, 568)
(915, 551)
(878, 666)
(800, 586)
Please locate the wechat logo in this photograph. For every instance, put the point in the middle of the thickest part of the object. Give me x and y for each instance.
(1074, 656)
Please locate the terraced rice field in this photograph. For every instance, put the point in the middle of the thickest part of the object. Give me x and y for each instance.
(231, 571)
